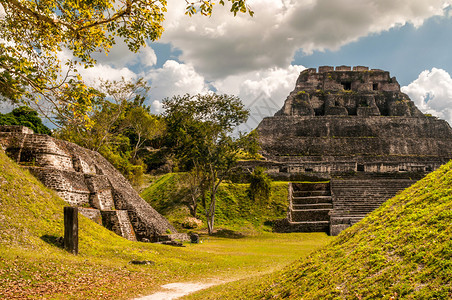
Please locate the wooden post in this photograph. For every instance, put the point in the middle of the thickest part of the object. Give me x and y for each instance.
(71, 229)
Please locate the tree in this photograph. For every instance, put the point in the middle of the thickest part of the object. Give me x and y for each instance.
(33, 35)
(198, 132)
(25, 116)
(106, 118)
(118, 126)
(142, 127)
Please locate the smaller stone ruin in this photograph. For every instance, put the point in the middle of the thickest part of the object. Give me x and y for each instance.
(85, 179)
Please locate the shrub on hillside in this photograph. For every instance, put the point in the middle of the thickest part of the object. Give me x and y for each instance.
(260, 185)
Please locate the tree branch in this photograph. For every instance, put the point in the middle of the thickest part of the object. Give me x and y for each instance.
(55, 21)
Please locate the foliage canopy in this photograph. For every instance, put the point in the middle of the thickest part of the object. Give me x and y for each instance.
(36, 36)
(120, 126)
(25, 116)
(199, 133)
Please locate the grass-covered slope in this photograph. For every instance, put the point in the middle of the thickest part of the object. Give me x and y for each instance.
(403, 250)
(234, 209)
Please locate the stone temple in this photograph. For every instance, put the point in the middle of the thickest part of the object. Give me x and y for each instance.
(354, 140)
(85, 179)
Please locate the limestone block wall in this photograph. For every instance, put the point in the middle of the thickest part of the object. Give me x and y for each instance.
(91, 213)
(339, 136)
(69, 185)
(84, 178)
(101, 193)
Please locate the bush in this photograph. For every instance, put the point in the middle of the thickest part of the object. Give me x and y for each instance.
(260, 185)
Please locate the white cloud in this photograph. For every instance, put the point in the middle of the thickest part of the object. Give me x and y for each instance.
(120, 56)
(263, 92)
(432, 93)
(157, 107)
(100, 71)
(274, 83)
(226, 45)
(174, 79)
(6, 106)
(92, 76)
(148, 57)
(2, 11)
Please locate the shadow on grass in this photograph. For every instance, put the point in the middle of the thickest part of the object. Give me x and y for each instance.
(53, 240)
(227, 233)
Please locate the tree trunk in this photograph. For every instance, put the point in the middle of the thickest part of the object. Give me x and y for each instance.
(193, 206)
(135, 150)
(211, 215)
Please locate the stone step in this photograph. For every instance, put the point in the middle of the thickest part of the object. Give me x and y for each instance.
(368, 207)
(311, 193)
(312, 200)
(310, 222)
(306, 215)
(312, 206)
(366, 191)
(310, 186)
(118, 221)
(361, 199)
(125, 225)
(355, 217)
(354, 211)
(358, 203)
(356, 207)
(369, 186)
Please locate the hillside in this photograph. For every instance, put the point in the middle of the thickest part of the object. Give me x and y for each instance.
(235, 210)
(403, 250)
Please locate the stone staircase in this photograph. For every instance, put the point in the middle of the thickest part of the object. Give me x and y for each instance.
(354, 199)
(309, 206)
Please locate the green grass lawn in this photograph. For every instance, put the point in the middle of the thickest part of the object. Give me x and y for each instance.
(51, 273)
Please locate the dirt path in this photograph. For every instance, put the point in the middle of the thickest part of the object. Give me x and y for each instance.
(176, 290)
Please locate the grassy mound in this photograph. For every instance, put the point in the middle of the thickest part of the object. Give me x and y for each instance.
(403, 250)
(235, 210)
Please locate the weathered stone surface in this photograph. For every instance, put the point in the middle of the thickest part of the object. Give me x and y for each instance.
(71, 229)
(18, 129)
(343, 91)
(84, 178)
(118, 222)
(357, 130)
(91, 213)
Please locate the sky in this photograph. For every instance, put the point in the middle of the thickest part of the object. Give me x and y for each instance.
(259, 58)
